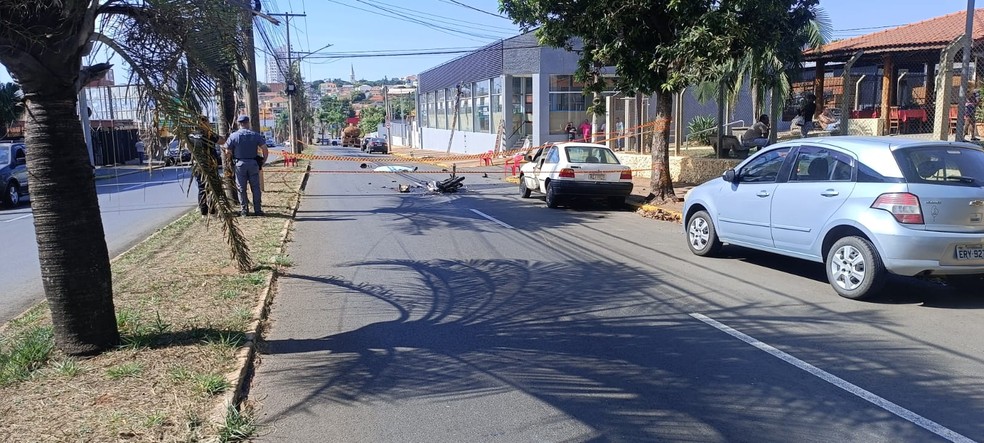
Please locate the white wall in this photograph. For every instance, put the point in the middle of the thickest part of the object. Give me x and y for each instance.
(463, 143)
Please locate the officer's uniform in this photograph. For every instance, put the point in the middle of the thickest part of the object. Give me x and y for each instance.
(245, 146)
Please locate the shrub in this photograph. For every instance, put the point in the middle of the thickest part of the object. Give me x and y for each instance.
(700, 129)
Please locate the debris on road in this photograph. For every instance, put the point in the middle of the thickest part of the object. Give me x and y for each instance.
(450, 185)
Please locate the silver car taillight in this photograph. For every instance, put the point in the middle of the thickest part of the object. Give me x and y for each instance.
(903, 206)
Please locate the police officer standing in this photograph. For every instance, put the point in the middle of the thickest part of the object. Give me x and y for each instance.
(247, 148)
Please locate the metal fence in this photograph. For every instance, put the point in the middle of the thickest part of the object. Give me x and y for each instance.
(904, 92)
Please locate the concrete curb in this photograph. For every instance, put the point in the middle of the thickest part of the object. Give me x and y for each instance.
(246, 356)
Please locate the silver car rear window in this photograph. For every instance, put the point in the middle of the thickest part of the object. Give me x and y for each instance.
(945, 165)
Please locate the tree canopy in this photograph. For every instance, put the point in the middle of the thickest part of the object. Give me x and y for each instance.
(661, 46)
(370, 118)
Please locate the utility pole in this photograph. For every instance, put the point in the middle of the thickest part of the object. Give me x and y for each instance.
(965, 74)
(291, 87)
(252, 94)
(386, 117)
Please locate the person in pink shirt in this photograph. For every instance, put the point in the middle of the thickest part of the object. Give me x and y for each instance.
(586, 130)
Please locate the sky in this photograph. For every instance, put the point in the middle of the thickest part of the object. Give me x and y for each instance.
(357, 32)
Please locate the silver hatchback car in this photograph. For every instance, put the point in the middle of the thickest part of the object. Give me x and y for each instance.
(863, 206)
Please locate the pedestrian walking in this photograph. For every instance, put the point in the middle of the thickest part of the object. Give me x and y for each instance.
(244, 146)
(619, 134)
(139, 146)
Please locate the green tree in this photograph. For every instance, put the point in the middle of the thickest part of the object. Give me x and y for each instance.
(10, 107)
(659, 47)
(358, 96)
(402, 106)
(370, 117)
(280, 128)
(42, 45)
(334, 112)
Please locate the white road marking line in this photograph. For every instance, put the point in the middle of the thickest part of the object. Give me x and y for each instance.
(18, 218)
(912, 417)
(493, 219)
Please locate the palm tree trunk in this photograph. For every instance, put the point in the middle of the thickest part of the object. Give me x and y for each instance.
(227, 114)
(75, 268)
(660, 182)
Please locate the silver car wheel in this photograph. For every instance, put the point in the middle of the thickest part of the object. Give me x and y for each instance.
(699, 233)
(848, 267)
(13, 196)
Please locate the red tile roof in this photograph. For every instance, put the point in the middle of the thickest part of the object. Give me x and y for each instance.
(931, 34)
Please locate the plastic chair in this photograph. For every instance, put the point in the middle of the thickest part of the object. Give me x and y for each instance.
(486, 158)
(513, 163)
(289, 159)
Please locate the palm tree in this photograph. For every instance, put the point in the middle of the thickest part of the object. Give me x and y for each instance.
(10, 108)
(766, 70)
(42, 45)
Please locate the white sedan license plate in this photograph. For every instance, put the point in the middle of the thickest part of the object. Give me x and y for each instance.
(970, 252)
(596, 176)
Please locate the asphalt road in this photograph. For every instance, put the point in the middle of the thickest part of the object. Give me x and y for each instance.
(485, 317)
(133, 206)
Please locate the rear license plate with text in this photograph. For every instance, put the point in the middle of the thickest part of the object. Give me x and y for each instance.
(970, 252)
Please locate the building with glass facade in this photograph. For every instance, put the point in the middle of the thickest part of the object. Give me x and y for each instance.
(513, 87)
(526, 91)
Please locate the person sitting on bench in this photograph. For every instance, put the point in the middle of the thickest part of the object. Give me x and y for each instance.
(757, 135)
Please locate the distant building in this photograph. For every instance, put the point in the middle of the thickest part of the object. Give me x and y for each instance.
(276, 66)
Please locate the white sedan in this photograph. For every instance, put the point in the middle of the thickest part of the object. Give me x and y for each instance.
(572, 171)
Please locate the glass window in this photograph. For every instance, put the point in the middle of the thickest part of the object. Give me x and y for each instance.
(482, 118)
(565, 83)
(496, 104)
(427, 110)
(482, 88)
(590, 154)
(497, 85)
(764, 168)
(816, 164)
(566, 107)
(441, 122)
(553, 155)
(942, 165)
(466, 117)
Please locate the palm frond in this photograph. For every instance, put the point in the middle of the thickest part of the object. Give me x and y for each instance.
(181, 50)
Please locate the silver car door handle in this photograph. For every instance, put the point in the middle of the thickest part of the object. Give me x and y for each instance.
(763, 194)
(830, 193)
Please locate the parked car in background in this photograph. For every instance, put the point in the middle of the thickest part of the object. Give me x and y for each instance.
(13, 174)
(569, 172)
(175, 154)
(865, 207)
(364, 142)
(376, 144)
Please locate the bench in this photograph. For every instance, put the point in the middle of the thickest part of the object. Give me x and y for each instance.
(731, 146)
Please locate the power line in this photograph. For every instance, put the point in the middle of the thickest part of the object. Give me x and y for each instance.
(867, 28)
(398, 16)
(407, 53)
(455, 2)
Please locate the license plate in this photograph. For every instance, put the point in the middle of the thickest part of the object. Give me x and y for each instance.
(597, 176)
(970, 252)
